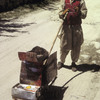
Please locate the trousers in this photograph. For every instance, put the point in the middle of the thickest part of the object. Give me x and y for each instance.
(71, 39)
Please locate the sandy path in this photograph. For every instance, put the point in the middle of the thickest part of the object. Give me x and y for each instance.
(39, 28)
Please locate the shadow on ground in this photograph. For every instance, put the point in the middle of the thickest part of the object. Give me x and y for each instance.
(7, 25)
(72, 78)
(85, 67)
(49, 7)
(52, 93)
(55, 92)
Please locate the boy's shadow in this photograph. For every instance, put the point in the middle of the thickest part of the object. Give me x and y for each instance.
(85, 67)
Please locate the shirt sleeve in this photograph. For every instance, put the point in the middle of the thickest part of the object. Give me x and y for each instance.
(83, 9)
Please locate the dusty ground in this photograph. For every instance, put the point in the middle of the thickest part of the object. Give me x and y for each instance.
(40, 28)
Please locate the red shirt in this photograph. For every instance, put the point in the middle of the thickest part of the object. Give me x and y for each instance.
(73, 17)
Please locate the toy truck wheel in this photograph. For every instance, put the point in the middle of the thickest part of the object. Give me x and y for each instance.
(38, 93)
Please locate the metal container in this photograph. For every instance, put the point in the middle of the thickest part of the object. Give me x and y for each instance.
(23, 91)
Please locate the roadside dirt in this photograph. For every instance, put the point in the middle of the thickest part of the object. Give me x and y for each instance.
(40, 28)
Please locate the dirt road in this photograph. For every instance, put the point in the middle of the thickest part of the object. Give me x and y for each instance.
(40, 28)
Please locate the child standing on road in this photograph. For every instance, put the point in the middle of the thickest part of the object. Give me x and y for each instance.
(72, 34)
